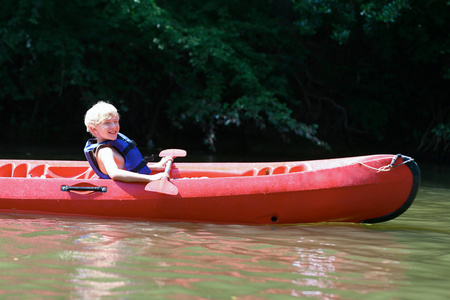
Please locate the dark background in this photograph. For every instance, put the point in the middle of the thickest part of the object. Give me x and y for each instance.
(249, 79)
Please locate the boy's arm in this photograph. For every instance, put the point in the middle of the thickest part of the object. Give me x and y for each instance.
(105, 157)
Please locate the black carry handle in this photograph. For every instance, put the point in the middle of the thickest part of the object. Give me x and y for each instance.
(66, 188)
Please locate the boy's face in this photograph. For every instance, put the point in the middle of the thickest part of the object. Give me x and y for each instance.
(107, 129)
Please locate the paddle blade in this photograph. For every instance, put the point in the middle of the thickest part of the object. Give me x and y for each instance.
(173, 153)
(163, 186)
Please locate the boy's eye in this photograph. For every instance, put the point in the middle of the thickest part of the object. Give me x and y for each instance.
(110, 122)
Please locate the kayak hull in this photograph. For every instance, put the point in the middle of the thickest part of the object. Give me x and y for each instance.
(356, 189)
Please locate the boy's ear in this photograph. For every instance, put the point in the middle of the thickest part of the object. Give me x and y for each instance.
(92, 129)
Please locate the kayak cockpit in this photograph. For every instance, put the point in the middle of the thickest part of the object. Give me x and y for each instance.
(25, 169)
(215, 170)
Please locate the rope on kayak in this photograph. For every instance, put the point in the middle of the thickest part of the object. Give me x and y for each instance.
(389, 166)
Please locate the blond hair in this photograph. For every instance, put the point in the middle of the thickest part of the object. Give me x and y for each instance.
(99, 112)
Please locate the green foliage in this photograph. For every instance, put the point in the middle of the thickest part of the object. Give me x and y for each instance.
(442, 131)
(225, 78)
(383, 11)
(314, 15)
(320, 69)
(389, 65)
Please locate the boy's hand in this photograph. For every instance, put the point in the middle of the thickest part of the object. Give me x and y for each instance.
(164, 160)
(158, 176)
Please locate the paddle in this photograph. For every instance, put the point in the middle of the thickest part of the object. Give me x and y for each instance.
(163, 185)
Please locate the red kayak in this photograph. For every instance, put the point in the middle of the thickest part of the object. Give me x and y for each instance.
(367, 189)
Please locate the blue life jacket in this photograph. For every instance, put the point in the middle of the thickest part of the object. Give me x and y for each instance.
(134, 161)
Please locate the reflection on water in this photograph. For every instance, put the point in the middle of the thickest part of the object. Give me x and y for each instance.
(82, 258)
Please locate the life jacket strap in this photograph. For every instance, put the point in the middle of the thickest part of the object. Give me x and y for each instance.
(142, 164)
(129, 147)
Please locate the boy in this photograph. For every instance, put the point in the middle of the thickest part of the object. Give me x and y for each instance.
(111, 154)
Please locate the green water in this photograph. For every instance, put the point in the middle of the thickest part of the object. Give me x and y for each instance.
(51, 257)
(48, 257)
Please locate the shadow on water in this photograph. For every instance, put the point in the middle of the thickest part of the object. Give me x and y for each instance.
(435, 175)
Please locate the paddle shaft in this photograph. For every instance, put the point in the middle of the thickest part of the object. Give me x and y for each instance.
(168, 166)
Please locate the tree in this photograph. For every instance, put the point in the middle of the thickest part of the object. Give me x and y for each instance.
(325, 70)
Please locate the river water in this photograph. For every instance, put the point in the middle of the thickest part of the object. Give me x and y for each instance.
(51, 257)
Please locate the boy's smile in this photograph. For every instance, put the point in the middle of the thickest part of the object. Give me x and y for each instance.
(107, 129)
